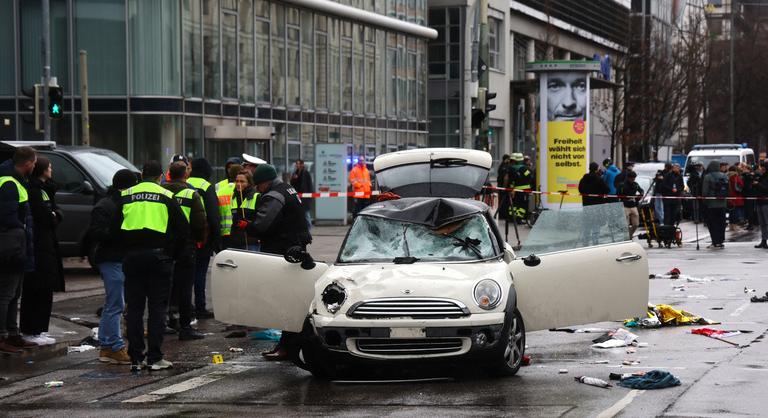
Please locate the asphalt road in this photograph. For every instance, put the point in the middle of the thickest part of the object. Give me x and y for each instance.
(718, 379)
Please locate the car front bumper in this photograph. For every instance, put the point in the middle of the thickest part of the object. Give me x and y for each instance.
(409, 339)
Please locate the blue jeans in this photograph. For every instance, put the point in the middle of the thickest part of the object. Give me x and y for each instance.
(109, 326)
(658, 207)
(308, 217)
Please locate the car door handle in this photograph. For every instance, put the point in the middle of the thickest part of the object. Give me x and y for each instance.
(228, 263)
(630, 257)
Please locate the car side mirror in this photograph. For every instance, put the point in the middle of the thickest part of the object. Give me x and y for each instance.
(532, 260)
(87, 188)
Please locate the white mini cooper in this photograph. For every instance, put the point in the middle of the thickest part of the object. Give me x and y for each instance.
(429, 276)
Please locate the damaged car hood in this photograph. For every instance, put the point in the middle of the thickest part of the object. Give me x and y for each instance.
(431, 212)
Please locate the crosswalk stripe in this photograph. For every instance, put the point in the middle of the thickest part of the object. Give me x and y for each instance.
(189, 384)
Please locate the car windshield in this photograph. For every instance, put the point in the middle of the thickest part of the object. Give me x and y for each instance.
(706, 159)
(374, 239)
(562, 230)
(103, 164)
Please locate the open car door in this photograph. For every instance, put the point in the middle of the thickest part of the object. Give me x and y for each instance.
(583, 269)
(262, 290)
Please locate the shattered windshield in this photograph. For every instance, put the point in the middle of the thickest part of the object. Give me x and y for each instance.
(374, 239)
(567, 229)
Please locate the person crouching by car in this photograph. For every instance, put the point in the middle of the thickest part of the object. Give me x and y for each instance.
(39, 285)
(632, 192)
(102, 234)
(244, 203)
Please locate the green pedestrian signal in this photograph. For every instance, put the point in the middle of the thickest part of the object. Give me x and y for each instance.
(55, 102)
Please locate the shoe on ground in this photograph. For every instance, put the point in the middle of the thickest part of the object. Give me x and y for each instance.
(17, 341)
(279, 355)
(762, 245)
(272, 351)
(5, 347)
(120, 356)
(39, 339)
(187, 334)
(161, 364)
(204, 314)
(169, 330)
(136, 367)
(719, 246)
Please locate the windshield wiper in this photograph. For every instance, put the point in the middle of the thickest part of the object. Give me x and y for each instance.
(467, 242)
(405, 260)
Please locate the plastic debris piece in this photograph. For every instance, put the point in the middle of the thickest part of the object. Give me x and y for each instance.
(760, 299)
(267, 334)
(80, 348)
(630, 362)
(716, 308)
(593, 381)
(563, 371)
(54, 384)
(675, 272)
(526, 360)
(749, 290)
(642, 345)
(697, 279)
(235, 350)
(77, 318)
(619, 376)
(95, 333)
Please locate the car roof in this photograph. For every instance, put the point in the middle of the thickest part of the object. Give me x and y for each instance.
(430, 211)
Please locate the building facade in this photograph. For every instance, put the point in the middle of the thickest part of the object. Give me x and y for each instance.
(216, 78)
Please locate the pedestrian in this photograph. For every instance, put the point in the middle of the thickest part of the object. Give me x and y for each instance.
(200, 176)
(592, 184)
(736, 198)
(184, 267)
(301, 180)
(39, 285)
(714, 186)
(360, 179)
(224, 189)
(16, 234)
(748, 176)
(103, 235)
(760, 187)
(153, 231)
(502, 181)
(177, 157)
(609, 178)
(250, 162)
(632, 193)
(622, 177)
(523, 181)
(279, 224)
(658, 201)
(672, 188)
(244, 204)
(694, 187)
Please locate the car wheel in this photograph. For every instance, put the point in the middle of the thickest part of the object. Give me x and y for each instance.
(511, 346)
(315, 360)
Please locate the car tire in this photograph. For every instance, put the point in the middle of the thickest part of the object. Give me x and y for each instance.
(311, 356)
(511, 349)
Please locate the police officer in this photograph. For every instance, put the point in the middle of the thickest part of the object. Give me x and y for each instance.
(199, 177)
(280, 225)
(224, 190)
(184, 269)
(152, 230)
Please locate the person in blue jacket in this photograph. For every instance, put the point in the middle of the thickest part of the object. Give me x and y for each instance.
(609, 177)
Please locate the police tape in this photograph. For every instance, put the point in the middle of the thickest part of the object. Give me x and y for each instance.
(321, 195)
(618, 196)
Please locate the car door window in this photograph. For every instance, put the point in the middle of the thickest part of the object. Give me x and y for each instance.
(65, 174)
(562, 230)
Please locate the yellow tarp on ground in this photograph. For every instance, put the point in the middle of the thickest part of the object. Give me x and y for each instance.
(669, 316)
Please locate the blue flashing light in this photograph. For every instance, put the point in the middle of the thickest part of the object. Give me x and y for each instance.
(349, 160)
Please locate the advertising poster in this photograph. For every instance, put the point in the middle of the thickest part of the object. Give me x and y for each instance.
(564, 136)
(331, 176)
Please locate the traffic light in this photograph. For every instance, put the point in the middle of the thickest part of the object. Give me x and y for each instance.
(478, 110)
(55, 102)
(488, 106)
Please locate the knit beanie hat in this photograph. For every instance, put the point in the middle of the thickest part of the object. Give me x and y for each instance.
(264, 172)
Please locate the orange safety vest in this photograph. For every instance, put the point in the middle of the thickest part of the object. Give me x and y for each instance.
(360, 179)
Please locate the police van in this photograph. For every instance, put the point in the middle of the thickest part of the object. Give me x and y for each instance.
(732, 154)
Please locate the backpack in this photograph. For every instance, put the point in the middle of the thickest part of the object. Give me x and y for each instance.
(721, 187)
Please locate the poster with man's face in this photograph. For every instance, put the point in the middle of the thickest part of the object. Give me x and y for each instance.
(566, 96)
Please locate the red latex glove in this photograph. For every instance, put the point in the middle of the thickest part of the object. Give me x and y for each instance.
(242, 224)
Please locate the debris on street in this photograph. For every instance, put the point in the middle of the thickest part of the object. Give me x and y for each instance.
(54, 384)
(618, 338)
(235, 350)
(526, 360)
(563, 371)
(654, 379)
(746, 290)
(236, 334)
(619, 376)
(80, 348)
(674, 273)
(630, 362)
(665, 315)
(593, 381)
(267, 334)
(760, 299)
(581, 330)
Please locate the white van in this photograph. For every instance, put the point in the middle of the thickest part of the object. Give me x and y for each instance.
(729, 153)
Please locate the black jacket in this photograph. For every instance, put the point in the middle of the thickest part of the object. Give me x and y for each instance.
(302, 182)
(201, 169)
(238, 238)
(630, 188)
(694, 183)
(592, 183)
(280, 222)
(104, 231)
(15, 215)
(760, 189)
(49, 271)
(672, 181)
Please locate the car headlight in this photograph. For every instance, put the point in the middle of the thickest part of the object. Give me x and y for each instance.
(487, 294)
(333, 297)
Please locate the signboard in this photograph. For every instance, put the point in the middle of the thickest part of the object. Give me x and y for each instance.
(331, 176)
(564, 136)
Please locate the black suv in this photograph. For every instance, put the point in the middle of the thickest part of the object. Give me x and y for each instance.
(83, 175)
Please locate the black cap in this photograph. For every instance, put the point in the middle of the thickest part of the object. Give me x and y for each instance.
(593, 166)
(151, 170)
(233, 160)
(124, 179)
(607, 162)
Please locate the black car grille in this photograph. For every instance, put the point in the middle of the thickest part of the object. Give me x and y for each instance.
(409, 346)
(417, 308)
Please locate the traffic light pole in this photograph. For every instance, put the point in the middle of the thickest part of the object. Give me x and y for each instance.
(482, 137)
(46, 8)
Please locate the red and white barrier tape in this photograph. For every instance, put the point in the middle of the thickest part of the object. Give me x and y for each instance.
(321, 195)
(530, 191)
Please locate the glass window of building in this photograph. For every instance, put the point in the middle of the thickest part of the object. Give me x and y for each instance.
(229, 53)
(381, 71)
(278, 148)
(402, 68)
(30, 31)
(107, 131)
(308, 144)
(421, 81)
(192, 49)
(106, 51)
(391, 75)
(520, 57)
(494, 43)
(211, 57)
(262, 61)
(278, 55)
(445, 51)
(154, 29)
(307, 61)
(334, 73)
(411, 88)
(155, 137)
(370, 71)
(7, 72)
(261, 8)
(321, 62)
(294, 34)
(346, 72)
(358, 79)
(245, 51)
(193, 136)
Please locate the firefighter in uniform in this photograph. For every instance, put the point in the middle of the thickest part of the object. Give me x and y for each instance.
(152, 227)
(280, 225)
(184, 269)
(524, 181)
(201, 173)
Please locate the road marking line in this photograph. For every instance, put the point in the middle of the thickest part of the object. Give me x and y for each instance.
(186, 385)
(741, 309)
(621, 404)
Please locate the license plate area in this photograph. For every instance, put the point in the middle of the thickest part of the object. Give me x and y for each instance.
(407, 333)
